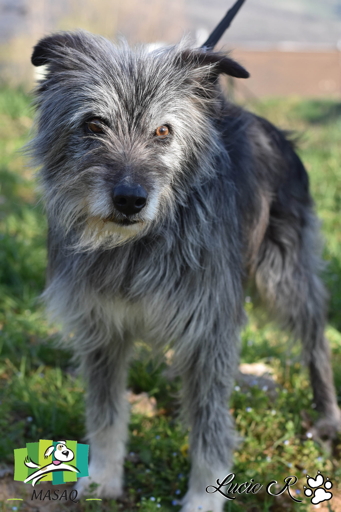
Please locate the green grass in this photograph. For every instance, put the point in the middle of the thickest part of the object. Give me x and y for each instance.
(42, 397)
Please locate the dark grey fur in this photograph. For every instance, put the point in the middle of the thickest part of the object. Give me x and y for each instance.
(228, 200)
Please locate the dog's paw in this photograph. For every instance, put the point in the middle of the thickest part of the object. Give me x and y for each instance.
(99, 487)
(327, 427)
(202, 503)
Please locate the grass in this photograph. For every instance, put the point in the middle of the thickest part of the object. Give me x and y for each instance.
(41, 395)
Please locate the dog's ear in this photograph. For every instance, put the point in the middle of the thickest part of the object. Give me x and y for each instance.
(48, 452)
(219, 63)
(56, 45)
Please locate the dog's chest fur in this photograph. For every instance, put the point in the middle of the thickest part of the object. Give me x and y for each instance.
(158, 288)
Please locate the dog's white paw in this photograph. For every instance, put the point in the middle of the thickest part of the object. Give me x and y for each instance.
(202, 503)
(100, 486)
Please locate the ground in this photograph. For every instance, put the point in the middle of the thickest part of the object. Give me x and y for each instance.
(42, 396)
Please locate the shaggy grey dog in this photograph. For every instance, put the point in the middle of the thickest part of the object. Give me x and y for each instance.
(163, 199)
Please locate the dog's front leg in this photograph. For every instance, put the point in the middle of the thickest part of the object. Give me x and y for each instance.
(208, 381)
(105, 370)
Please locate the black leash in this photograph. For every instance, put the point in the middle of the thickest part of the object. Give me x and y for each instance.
(223, 25)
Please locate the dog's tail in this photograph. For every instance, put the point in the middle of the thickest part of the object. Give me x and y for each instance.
(30, 464)
(217, 33)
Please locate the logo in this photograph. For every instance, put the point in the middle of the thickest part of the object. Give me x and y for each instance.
(316, 487)
(57, 462)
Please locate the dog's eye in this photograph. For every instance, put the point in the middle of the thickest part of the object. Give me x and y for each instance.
(94, 126)
(162, 131)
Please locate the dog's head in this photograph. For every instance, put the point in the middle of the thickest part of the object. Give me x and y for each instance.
(123, 135)
(61, 452)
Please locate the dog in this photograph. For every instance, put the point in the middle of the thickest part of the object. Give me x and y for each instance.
(163, 200)
(62, 454)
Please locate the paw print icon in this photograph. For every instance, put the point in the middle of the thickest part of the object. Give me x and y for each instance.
(318, 489)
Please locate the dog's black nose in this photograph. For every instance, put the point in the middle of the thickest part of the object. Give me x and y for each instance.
(129, 199)
(65, 452)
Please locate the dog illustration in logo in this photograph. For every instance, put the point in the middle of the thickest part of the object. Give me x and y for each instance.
(62, 455)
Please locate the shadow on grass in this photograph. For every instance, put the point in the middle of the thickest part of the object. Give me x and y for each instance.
(319, 111)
